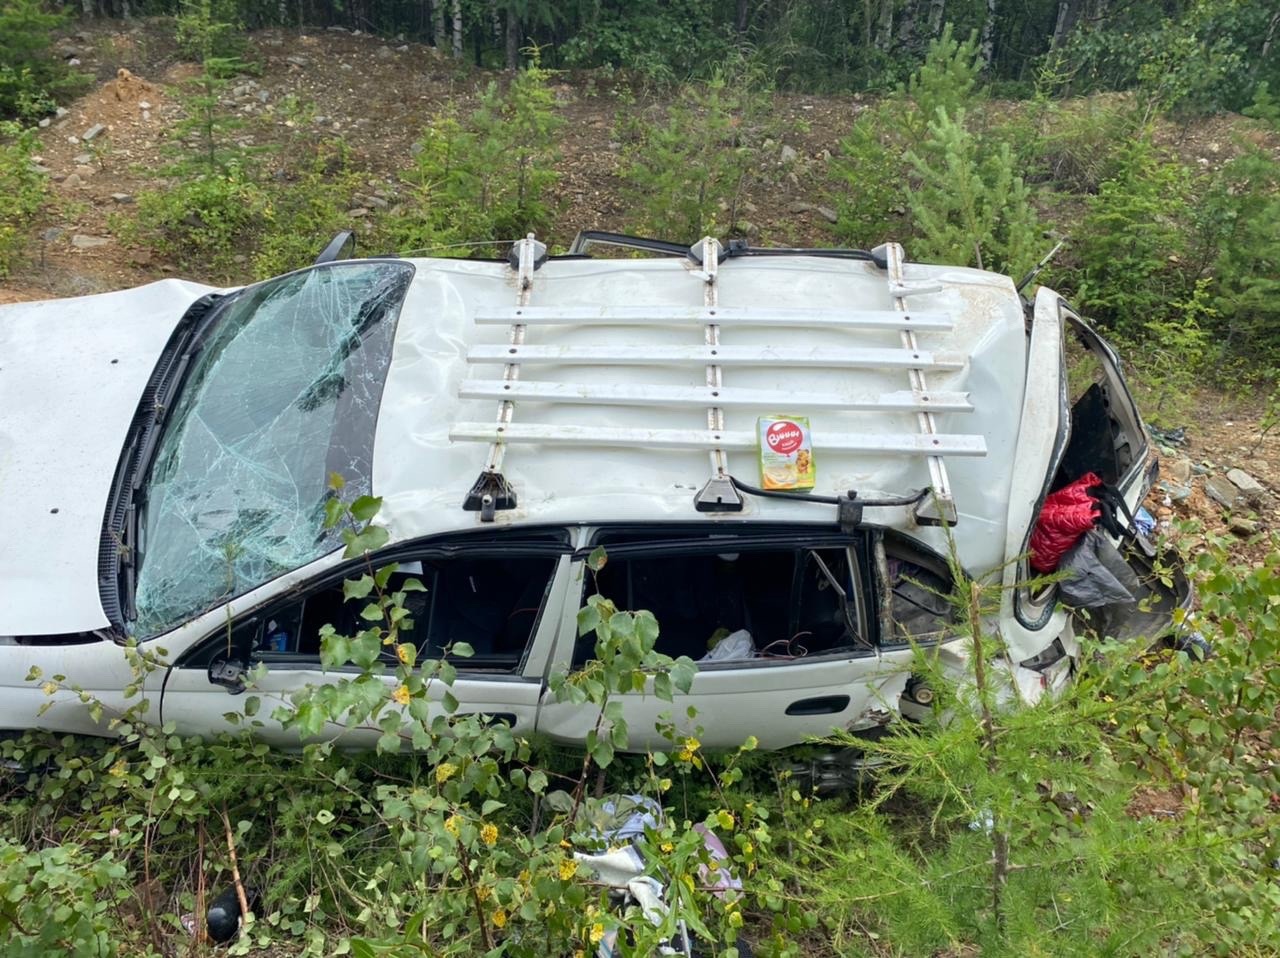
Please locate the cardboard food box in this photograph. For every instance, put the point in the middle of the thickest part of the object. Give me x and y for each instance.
(786, 453)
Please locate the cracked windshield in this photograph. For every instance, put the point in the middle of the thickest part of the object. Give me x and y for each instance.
(284, 392)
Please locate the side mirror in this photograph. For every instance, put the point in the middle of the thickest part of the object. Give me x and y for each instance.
(229, 673)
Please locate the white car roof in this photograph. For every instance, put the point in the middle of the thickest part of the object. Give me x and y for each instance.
(613, 368)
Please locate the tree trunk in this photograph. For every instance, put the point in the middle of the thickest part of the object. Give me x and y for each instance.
(1068, 14)
(457, 29)
(513, 39)
(884, 35)
(987, 46)
(1266, 43)
(437, 23)
(936, 9)
(743, 17)
(87, 7)
(907, 28)
(495, 22)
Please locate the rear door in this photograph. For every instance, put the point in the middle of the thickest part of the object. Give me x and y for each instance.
(809, 661)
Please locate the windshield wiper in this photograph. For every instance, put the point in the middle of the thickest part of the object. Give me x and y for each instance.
(118, 552)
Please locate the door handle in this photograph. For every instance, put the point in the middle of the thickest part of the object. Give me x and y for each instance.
(822, 705)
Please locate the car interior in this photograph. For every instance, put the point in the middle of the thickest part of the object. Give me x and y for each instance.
(792, 602)
(490, 603)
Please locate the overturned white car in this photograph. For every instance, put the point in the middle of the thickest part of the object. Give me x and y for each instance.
(165, 454)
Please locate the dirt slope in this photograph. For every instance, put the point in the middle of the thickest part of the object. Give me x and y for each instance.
(377, 95)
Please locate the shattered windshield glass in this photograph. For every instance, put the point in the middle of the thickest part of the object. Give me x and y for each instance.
(284, 391)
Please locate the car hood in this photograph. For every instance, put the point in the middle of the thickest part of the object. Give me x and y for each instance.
(72, 372)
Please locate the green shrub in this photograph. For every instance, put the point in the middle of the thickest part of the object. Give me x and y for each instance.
(22, 191)
(969, 206)
(203, 221)
(1239, 219)
(31, 78)
(1134, 240)
(58, 901)
(1093, 822)
(686, 176)
(871, 202)
(485, 180)
(210, 32)
(949, 79)
(306, 208)
(663, 41)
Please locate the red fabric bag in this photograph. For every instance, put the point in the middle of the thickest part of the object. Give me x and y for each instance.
(1067, 514)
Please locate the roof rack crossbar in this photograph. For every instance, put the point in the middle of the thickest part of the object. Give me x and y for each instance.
(491, 491)
(643, 394)
(904, 444)
(719, 315)
(708, 354)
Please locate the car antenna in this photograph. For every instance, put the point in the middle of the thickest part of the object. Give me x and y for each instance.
(1039, 267)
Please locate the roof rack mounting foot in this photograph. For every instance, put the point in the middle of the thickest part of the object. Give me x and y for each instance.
(539, 253)
(489, 493)
(849, 512)
(718, 495)
(933, 510)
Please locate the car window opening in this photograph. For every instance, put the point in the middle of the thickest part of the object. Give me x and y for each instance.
(1103, 441)
(491, 604)
(773, 605)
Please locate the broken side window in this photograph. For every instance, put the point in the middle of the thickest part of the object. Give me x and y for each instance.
(493, 604)
(744, 602)
(284, 391)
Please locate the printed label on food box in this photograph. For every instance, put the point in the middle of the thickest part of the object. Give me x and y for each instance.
(786, 453)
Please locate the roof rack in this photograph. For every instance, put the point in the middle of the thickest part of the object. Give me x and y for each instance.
(492, 492)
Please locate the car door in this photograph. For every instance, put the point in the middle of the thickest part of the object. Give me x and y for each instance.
(503, 602)
(814, 660)
(1098, 430)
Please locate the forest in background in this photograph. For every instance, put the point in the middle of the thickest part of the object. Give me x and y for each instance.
(1210, 54)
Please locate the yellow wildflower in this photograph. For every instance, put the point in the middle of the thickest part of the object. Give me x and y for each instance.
(499, 919)
(489, 834)
(444, 772)
(453, 825)
(119, 768)
(49, 688)
(523, 877)
(667, 847)
(568, 868)
(401, 695)
(597, 932)
(404, 652)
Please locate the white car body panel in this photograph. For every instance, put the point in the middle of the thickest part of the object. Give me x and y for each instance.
(571, 486)
(64, 413)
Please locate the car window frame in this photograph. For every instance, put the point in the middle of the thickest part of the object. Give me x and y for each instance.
(552, 543)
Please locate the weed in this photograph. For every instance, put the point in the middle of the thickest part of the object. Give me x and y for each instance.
(22, 190)
(686, 176)
(484, 180)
